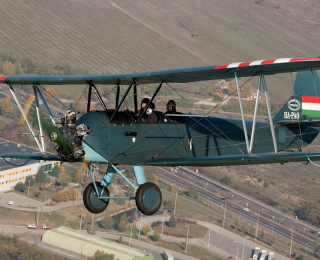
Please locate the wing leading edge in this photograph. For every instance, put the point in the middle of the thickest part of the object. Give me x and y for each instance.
(236, 159)
(182, 75)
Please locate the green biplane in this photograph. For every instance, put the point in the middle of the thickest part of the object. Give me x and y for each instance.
(118, 137)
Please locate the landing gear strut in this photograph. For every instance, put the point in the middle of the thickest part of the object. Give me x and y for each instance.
(148, 196)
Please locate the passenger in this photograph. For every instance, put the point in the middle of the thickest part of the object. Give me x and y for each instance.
(149, 116)
(171, 107)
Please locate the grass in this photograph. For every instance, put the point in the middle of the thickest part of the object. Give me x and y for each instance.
(195, 231)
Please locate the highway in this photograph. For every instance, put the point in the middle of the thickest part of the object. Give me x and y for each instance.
(214, 193)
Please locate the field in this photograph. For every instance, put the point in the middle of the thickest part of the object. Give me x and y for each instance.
(105, 36)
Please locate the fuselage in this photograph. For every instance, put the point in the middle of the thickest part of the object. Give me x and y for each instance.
(123, 141)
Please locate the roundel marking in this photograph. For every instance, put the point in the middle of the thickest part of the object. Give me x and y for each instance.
(294, 104)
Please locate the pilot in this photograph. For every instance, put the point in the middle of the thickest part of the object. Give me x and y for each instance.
(149, 116)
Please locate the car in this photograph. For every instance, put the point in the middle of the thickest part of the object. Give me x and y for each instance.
(246, 209)
(10, 202)
(31, 226)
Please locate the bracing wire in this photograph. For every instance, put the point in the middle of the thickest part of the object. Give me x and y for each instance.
(80, 97)
(53, 96)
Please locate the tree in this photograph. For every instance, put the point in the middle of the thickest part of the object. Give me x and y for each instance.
(192, 192)
(294, 254)
(172, 222)
(236, 224)
(6, 107)
(272, 241)
(232, 87)
(213, 91)
(78, 177)
(63, 178)
(55, 171)
(100, 255)
(54, 93)
(156, 236)
(262, 235)
(20, 186)
(315, 247)
(107, 222)
(220, 94)
(251, 230)
(31, 179)
(41, 176)
(120, 240)
(120, 202)
(174, 188)
(8, 68)
(243, 227)
(226, 180)
(122, 226)
(146, 229)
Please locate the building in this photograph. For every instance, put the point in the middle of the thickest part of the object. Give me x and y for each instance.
(86, 245)
(13, 171)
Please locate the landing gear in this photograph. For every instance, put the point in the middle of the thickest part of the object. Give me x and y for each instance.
(148, 198)
(91, 199)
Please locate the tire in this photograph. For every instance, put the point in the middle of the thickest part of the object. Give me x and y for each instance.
(148, 198)
(92, 202)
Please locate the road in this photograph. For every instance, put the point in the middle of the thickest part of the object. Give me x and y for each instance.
(213, 193)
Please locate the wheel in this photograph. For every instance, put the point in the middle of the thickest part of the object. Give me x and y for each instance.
(92, 202)
(148, 198)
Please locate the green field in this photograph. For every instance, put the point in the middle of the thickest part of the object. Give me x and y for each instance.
(115, 37)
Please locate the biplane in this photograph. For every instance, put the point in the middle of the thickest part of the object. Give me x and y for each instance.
(121, 137)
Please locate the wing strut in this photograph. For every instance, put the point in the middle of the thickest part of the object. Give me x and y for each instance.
(250, 144)
(39, 119)
(242, 114)
(269, 114)
(25, 117)
(123, 98)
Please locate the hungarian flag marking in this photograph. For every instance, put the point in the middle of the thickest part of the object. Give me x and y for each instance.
(311, 106)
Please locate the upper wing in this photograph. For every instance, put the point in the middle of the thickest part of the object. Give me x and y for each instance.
(183, 75)
(236, 159)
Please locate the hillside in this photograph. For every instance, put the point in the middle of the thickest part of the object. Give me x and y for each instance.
(105, 36)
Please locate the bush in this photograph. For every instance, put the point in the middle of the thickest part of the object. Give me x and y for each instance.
(300, 257)
(42, 187)
(156, 224)
(172, 222)
(294, 254)
(120, 241)
(186, 221)
(31, 179)
(146, 229)
(156, 236)
(266, 184)
(192, 192)
(260, 179)
(226, 180)
(20, 186)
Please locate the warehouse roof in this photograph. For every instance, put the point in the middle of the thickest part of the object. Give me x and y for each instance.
(73, 240)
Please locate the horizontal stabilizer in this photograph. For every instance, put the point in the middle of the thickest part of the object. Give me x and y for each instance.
(303, 123)
(237, 159)
(36, 156)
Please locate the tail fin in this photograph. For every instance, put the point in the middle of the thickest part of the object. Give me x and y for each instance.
(304, 104)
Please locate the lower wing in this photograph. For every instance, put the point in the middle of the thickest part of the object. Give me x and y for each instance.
(237, 159)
